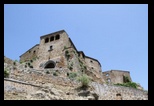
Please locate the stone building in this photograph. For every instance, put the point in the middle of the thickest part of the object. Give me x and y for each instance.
(57, 51)
(116, 76)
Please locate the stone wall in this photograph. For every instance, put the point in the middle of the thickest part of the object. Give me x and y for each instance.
(8, 61)
(52, 49)
(112, 92)
(104, 92)
(115, 76)
(39, 77)
(93, 64)
(30, 54)
(94, 69)
(11, 85)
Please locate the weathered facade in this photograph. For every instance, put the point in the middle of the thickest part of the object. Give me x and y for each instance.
(116, 76)
(56, 50)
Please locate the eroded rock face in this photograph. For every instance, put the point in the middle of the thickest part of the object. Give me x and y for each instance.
(31, 84)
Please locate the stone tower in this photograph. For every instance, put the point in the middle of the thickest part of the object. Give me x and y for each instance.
(57, 51)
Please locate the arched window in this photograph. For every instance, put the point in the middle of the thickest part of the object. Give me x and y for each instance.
(49, 64)
(57, 37)
(118, 96)
(107, 74)
(46, 40)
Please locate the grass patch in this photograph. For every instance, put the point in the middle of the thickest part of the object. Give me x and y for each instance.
(85, 80)
(128, 84)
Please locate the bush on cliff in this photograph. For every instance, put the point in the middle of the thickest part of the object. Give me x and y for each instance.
(85, 80)
(128, 84)
(6, 73)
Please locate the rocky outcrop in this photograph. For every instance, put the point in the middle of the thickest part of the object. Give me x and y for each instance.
(31, 84)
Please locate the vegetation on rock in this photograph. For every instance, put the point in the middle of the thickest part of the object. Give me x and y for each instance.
(85, 80)
(127, 83)
(6, 73)
(72, 75)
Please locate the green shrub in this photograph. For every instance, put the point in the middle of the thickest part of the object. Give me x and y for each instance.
(47, 72)
(16, 60)
(67, 54)
(72, 75)
(6, 73)
(70, 67)
(73, 51)
(85, 67)
(128, 84)
(55, 74)
(21, 62)
(126, 79)
(65, 47)
(85, 80)
(14, 63)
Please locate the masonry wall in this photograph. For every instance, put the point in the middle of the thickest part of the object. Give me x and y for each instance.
(110, 92)
(46, 54)
(8, 61)
(41, 77)
(115, 76)
(30, 54)
(73, 60)
(93, 64)
(11, 85)
(93, 69)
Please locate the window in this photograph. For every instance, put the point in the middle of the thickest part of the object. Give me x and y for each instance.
(91, 61)
(29, 51)
(51, 38)
(92, 68)
(108, 80)
(118, 96)
(34, 51)
(50, 64)
(46, 40)
(51, 48)
(57, 37)
(107, 74)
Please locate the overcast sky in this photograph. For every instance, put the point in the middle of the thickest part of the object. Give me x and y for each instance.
(116, 35)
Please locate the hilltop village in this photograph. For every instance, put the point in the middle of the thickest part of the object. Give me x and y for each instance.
(50, 71)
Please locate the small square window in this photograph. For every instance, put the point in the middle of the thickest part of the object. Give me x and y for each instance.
(91, 61)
